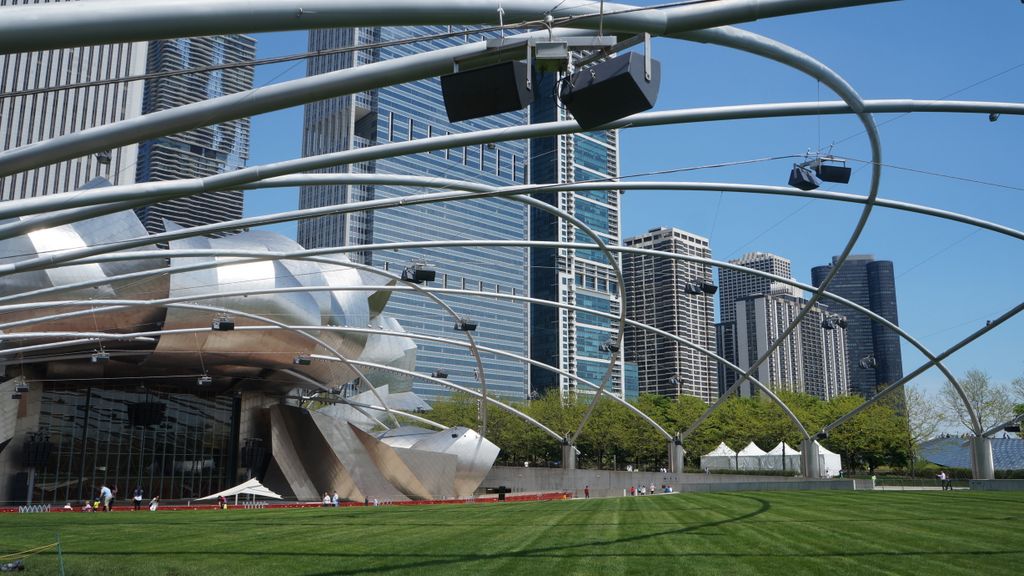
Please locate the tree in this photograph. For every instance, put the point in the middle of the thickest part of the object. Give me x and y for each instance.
(990, 401)
(923, 417)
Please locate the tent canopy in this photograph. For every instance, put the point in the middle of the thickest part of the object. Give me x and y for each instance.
(721, 450)
(751, 450)
(252, 486)
(784, 448)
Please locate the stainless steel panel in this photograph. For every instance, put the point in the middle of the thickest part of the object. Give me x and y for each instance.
(420, 476)
(475, 456)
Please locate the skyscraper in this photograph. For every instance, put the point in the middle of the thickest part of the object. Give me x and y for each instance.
(569, 340)
(811, 359)
(406, 112)
(670, 295)
(874, 350)
(733, 285)
(203, 151)
(30, 114)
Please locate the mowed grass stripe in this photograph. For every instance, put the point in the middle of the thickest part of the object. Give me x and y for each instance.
(730, 534)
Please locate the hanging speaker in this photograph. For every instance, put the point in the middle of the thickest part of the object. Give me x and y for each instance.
(611, 90)
(831, 173)
(803, 178)
(485, 91)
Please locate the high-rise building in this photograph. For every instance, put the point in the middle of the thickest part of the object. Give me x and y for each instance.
(570, 340)
(671, 295)
(811, 360)
(202, 151)
(29, 113)
(407, 112)
(874, 350)
(736, 284)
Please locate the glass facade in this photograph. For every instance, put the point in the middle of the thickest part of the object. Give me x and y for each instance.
(567, 339)
(174, 445)
(203, 151)
(414, 111)
(872, 284)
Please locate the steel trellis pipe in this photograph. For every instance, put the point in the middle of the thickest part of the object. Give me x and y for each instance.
(42, 27)
(773, 50)
(152, 191)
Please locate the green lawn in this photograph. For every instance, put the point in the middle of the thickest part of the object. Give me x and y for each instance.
(732, 534)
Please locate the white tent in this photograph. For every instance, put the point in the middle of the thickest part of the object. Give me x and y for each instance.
(782, 457)
(829, 462)
(252, 487)
(749, 458)
(721, 458)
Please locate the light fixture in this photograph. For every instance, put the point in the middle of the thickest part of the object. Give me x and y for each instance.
(868, 362)
(104, 157)
(204, 380)
(16, 396)
(21, 388)
(551, 55)
(418, 273)
(302, 360)
(439, 373)
(700, 287)
(223, 323)
(609, 345)
(612, 89)
(993, 116)
(465, 325)
(100, 357)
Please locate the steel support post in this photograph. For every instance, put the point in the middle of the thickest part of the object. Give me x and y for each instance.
(676, 455)
(809, 460)
(982, 465)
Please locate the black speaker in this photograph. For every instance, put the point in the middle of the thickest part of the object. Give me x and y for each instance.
(611, 90)
(803, 178)
(36, 452)
(146, 413)
(485, 91)
(838, 174)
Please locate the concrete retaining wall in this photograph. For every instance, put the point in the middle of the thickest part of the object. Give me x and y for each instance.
(606, 483)
(998, 485)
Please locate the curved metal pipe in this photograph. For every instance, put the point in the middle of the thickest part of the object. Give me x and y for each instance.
(786, 55)
(114, 304)
(140, 194)
(88, 337)
(529, 244)
(36, 27)
(991, 325)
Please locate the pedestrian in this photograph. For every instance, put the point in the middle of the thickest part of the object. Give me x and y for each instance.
(632, 490)
(651, 489)
(942, 478)
(222, 502)
(105, 497)
(326, 500)
(586, 491)
(154, 503)
(334, 499)
(137, 498)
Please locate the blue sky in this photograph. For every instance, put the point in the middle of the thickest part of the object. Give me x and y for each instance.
(950, 278)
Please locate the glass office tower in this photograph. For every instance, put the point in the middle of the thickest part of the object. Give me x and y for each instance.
(562, 338)
(875, 360)
(28, 115)
(664, 293)
(203, 151)
(408, 112)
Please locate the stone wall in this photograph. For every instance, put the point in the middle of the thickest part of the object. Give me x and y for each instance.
(607, 483)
